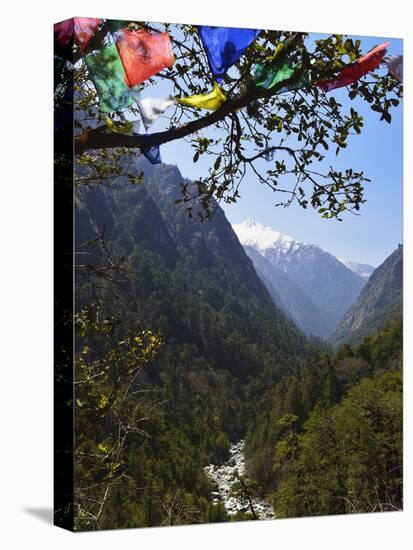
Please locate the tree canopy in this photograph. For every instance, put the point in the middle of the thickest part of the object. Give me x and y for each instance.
(280, 135)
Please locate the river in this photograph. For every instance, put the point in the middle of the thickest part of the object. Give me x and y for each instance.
(225, 475)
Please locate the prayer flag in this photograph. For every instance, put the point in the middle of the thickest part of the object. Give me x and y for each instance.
(356, 70)
(151, 152)
(152, 107)
(83, 28)
(120, 128)
(211, 101)
(63, 32)
(268, 75)
(143, 53)
(395, 66)
(224, 46)
(107, 74)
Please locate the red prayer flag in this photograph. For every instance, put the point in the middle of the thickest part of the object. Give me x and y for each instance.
(357, 70)
(63, 32)
(143, 54)
(83, 27)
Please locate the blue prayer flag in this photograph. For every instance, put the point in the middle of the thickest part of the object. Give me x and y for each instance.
(224, 46)
(151, 152)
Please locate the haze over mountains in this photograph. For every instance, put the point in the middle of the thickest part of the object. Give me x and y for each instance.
(291, 298)
(328, 286)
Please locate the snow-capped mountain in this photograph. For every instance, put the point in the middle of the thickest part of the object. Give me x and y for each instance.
(263, 238)
(326, 280)
(364, 270)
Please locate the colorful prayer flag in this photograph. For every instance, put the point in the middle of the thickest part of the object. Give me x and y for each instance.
(395, 66)
(83, 28)
(107, 74)
(120, 128)
(63, 32)
(143, 53)
(268, 75)
(152, 107)
(224, 46)
(151, 152)
(356, 70)
(211, 101)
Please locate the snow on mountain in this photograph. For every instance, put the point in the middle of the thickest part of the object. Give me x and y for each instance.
(364, 270)
(261, 237)
(323, 277)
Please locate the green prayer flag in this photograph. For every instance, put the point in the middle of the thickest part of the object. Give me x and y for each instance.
(268, 75)
(107, 74)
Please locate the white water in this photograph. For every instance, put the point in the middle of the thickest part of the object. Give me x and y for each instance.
(225, 475)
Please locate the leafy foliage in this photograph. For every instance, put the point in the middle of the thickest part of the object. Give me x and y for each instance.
(279, 137)
(329, 439)
(108, 411)
(192, 283)
(349, 457)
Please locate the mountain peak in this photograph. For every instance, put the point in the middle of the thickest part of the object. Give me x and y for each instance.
(331, 285)
(249, 222)
(364, 270)
(261, 237)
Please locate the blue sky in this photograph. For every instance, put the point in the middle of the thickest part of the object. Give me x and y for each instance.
(378, 151)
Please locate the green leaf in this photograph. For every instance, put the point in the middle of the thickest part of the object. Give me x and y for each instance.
(387, 116)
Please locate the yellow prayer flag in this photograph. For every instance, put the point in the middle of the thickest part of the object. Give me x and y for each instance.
(211, 101)
(123, 128)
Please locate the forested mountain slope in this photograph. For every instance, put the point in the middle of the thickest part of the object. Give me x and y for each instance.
(379, 302)
(327, 439)
(143, 263)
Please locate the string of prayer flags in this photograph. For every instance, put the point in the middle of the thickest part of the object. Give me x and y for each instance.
(224, 46)
(356, 70)
(107, 74)
(211, 101)
(83, 29)
(394, 65)
(152, 107)
(143, 53)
